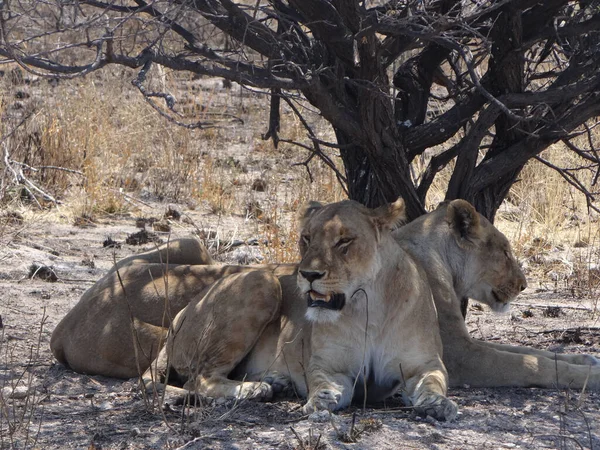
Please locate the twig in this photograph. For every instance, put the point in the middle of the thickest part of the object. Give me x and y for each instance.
(170, 101)
(22, 180)
(544, 306)
(566, 330)
(37, 169)
(316, 150)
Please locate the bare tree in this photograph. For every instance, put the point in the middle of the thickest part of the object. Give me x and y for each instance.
(503, 79)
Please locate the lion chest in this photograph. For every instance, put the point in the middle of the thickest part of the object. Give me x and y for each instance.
(380, 373)
(372, 360)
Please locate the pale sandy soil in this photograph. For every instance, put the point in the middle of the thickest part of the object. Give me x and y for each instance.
(62, 409)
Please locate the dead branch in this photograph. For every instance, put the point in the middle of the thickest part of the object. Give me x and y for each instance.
(546, 306)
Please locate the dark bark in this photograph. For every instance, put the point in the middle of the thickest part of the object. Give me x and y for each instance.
(506, 72)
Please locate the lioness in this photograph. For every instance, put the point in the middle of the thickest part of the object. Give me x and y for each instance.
(95, 337)
(465, 256)
(368, 332)
(462, 254)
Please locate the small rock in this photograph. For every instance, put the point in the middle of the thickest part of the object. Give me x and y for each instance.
(172, 213)
(162, 225)
(552, 311)
(105, 406)
(110, 243)
(42, 272)
(140, 222)
(142, 237)
(527, 313)
(18, 393)
(259, 185)
(320, 416)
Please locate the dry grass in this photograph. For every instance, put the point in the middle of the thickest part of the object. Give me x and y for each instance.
(20, 421)
(126, 153)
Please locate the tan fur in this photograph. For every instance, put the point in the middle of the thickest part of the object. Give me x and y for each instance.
(465, 256)
(248, 336)
(460, 253)
(178, 251)
(383, 329)
(97, 336)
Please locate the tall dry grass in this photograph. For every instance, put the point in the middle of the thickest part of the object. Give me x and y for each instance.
(102, 128)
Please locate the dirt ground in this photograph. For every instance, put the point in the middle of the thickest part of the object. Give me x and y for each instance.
(48, 406)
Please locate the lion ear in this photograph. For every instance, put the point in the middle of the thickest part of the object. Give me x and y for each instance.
(463, 220)
(388, 217)
(306, 211)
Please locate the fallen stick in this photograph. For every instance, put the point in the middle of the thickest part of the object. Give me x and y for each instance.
(566, 330)
(544, 306)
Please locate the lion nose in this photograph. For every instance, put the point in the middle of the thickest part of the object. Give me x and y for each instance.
(311, 275)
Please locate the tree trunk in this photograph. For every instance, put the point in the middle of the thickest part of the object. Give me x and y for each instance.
(507, 66)
(374, 157)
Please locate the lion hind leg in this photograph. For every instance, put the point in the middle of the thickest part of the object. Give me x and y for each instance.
(213, 335)
(178, 251)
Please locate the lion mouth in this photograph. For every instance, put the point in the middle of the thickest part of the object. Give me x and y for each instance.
(497, 297)
(499, 305)
(327, 301)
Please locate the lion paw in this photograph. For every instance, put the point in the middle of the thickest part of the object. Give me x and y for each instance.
(259, 391)
(323, 400)
(279, 382)
(438, 407)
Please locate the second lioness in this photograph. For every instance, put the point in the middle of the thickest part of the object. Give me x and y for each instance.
(371, 325)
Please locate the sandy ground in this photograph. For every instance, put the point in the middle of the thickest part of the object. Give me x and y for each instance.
(45, 405)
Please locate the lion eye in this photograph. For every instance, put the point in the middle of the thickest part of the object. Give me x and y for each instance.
(344, 242)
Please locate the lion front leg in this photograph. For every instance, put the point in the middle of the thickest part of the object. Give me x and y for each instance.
(327, 391)
(427, 389)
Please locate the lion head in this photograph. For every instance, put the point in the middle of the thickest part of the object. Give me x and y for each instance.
(340, 247)
(489, 271)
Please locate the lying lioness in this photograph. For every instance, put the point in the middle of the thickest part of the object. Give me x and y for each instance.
(368, 332)
(465, 256)
(116, 333)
